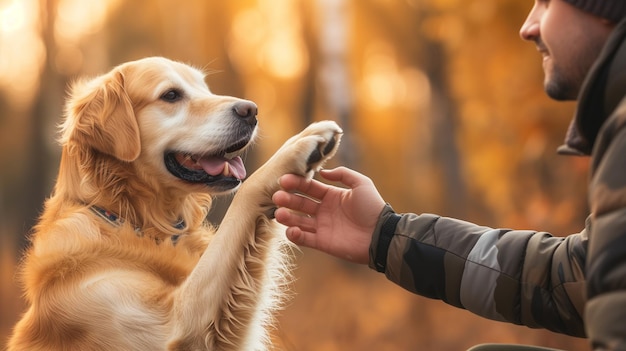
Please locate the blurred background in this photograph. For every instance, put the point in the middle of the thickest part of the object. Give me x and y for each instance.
(441, 103)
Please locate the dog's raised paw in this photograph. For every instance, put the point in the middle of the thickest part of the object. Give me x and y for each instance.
(307, 151)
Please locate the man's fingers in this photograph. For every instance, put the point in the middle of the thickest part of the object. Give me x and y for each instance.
(290, 182)
(295, 202)
(344, 175)
(309, 187)
(301, 238)
(290, 218)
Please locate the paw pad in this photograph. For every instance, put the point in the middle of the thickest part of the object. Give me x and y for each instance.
(324, 151)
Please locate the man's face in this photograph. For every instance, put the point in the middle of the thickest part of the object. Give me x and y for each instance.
(569, 40)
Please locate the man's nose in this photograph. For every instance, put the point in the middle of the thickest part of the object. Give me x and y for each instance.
(530, 29)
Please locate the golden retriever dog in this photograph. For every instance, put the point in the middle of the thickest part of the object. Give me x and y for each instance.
(122, 257)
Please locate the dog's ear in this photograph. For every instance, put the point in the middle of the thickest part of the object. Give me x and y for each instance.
(100, 114)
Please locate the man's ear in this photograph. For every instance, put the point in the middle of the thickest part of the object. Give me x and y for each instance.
(100, 114)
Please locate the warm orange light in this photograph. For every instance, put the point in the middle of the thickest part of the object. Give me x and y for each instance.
(270, 35)
(22, 52)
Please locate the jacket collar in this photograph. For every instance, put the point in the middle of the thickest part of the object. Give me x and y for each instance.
(603, 89)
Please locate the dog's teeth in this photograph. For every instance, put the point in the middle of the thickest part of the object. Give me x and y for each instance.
(226, 172)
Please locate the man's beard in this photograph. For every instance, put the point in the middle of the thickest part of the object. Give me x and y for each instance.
(562, 87)
(565, 80)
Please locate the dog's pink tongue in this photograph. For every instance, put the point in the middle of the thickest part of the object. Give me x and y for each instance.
(215, 166)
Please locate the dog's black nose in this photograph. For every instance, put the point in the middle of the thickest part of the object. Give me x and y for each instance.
(247, 110)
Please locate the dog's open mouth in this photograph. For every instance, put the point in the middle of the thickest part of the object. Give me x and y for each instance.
(225, 170)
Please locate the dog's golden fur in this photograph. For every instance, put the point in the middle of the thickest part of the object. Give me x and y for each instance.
(138, 279)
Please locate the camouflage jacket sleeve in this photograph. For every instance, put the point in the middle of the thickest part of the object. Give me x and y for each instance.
(522, 277)
(606, 266)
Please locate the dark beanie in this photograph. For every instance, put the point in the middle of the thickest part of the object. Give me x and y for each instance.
(613, 10)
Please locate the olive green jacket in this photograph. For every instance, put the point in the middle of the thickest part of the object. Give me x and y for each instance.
(574, 285)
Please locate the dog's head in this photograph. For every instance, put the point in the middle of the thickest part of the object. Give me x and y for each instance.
(161, 117)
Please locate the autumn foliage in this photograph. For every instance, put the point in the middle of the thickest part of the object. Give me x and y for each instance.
(441, 103)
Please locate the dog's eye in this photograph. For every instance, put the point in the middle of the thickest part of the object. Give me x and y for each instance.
(171, 95)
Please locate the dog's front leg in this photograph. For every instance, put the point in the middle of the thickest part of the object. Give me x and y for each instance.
(223, 304)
